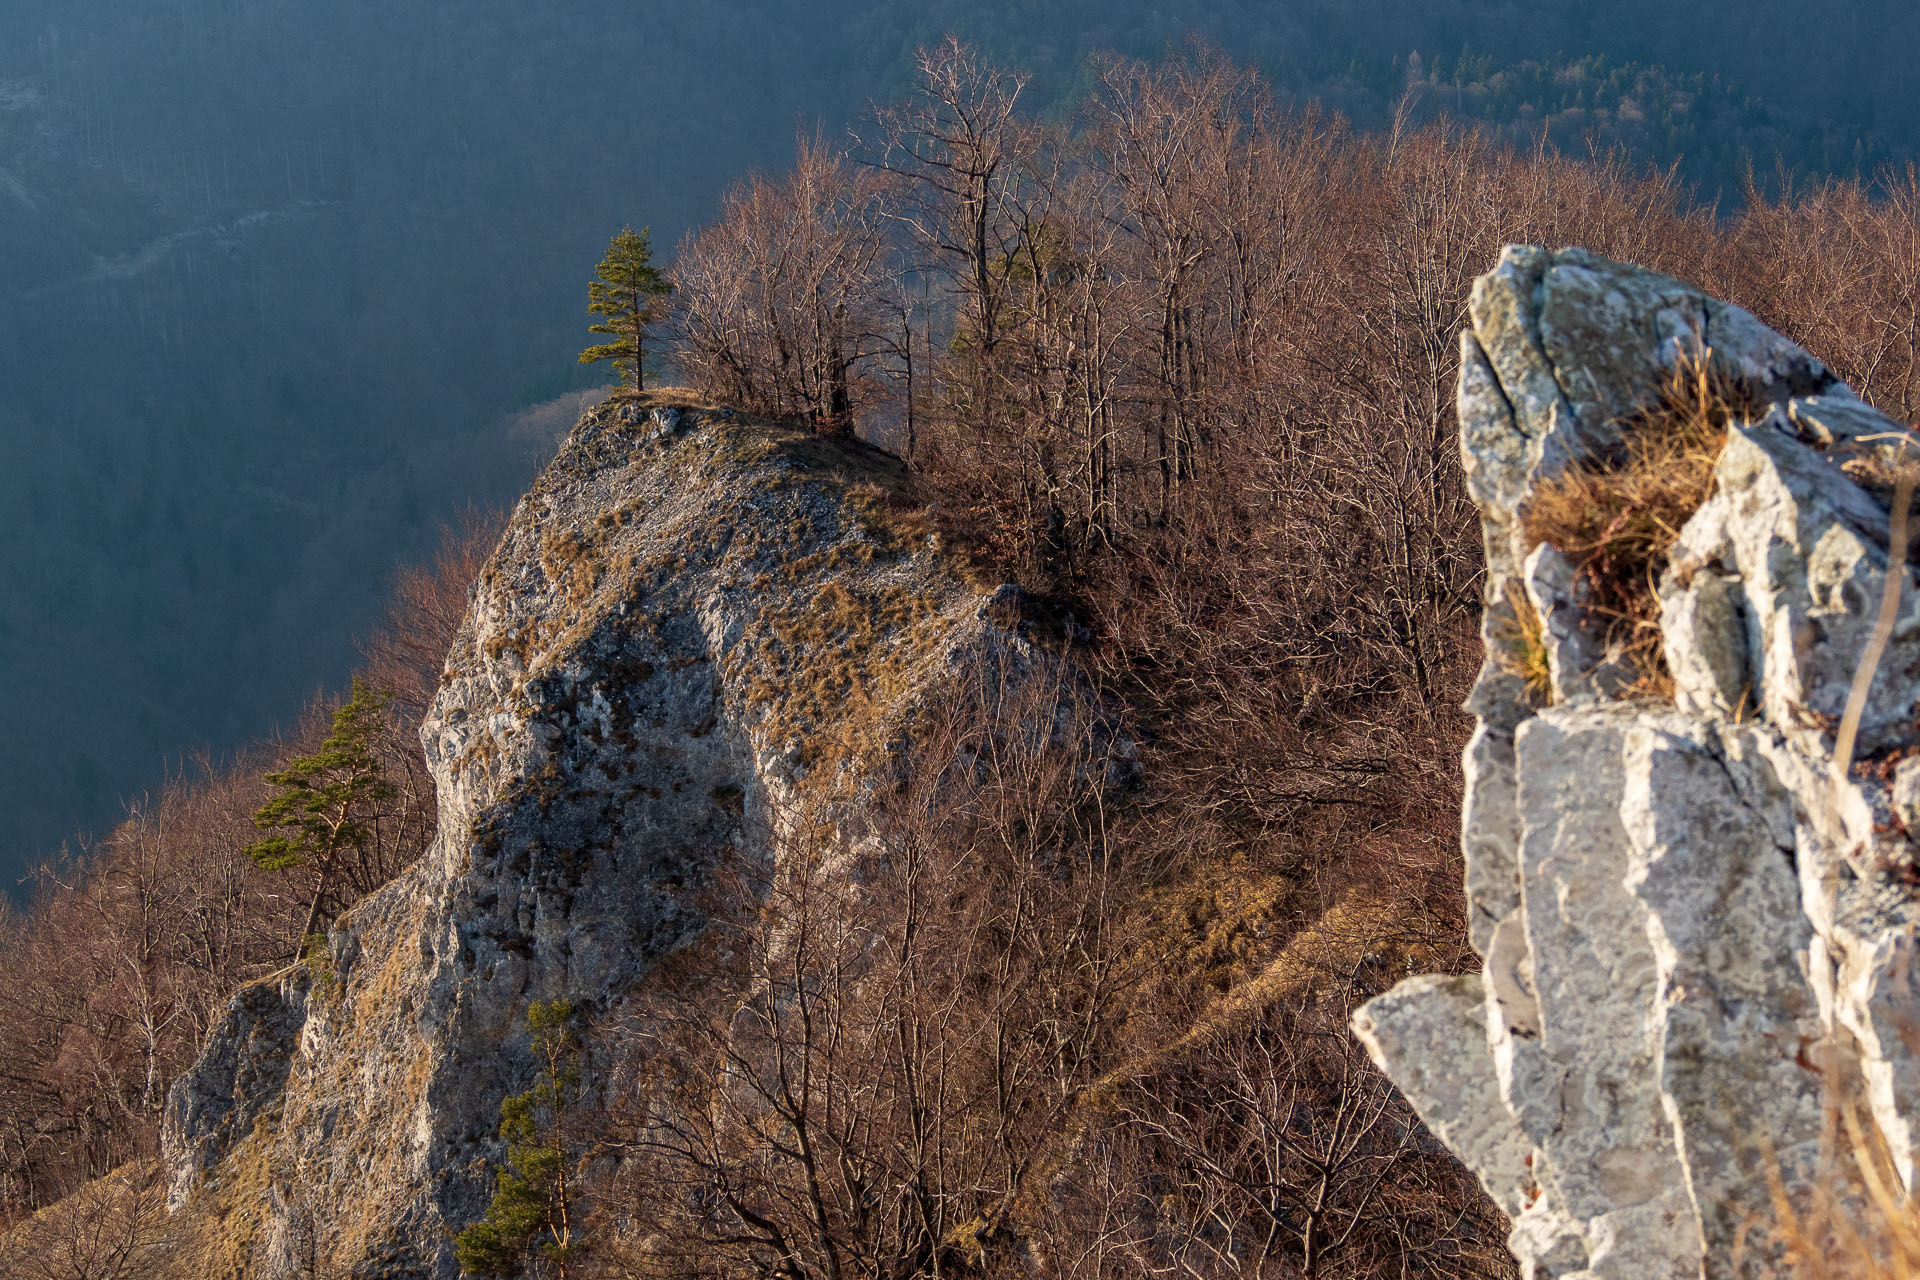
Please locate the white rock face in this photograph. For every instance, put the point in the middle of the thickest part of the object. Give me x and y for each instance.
(687, 614)
(1674, 902)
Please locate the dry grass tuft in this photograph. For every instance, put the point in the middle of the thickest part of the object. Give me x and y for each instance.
(1858, 1222)
(676, 397)
(1523, 647)
(1618, 517)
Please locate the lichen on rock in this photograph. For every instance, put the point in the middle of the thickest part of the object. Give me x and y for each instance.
(690, 616)
(1677, 907)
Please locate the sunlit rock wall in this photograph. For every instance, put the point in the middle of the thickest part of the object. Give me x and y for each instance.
(1687, 925)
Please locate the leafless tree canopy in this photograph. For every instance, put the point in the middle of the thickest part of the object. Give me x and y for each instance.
(780, 301)
(1185, 363)
(1183, 366)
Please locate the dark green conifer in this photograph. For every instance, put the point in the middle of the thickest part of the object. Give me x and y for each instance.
(531, 1213)
(631, 293)
(323, 806)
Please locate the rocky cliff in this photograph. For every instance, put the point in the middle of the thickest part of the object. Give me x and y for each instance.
(1694, 936)
(689, 615)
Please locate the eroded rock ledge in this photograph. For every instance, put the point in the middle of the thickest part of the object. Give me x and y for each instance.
(1677, 908)
(688, 615)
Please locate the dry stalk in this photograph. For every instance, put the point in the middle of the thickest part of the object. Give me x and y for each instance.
(1905, 475)
(1860, 1223)
(1856, 1223)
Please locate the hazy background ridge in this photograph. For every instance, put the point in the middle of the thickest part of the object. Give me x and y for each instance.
(280, 282)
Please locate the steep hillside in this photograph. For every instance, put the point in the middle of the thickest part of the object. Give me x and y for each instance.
(690, 615)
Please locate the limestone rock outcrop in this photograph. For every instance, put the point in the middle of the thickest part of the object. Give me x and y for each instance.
(1682, 915)
(688, 614)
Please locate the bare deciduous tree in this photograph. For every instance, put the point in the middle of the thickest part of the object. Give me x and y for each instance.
(779, 303)
(109, 1229)
(863, 1066)
(961, 149)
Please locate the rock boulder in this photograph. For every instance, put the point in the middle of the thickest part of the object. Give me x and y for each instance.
(1691, 934)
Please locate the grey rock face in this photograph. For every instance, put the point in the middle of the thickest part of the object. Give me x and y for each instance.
(688, 615)
(239, 1078)
(1674, 901)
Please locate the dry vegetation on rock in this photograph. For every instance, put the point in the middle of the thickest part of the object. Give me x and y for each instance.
(1617, 516)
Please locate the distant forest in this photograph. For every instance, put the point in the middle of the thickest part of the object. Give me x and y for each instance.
(281, 279)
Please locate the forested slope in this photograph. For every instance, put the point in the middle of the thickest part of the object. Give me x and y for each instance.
(278, 274)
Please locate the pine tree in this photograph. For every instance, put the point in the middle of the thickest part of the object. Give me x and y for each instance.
(631, 293)
(325, 804)
(531, 1213)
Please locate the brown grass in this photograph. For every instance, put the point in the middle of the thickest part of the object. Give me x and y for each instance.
(1857, 1222)
(669, 398)
(1523, 647)
(1617, 517)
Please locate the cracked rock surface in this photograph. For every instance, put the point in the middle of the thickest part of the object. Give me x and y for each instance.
(688, 615)
(1675, 902)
